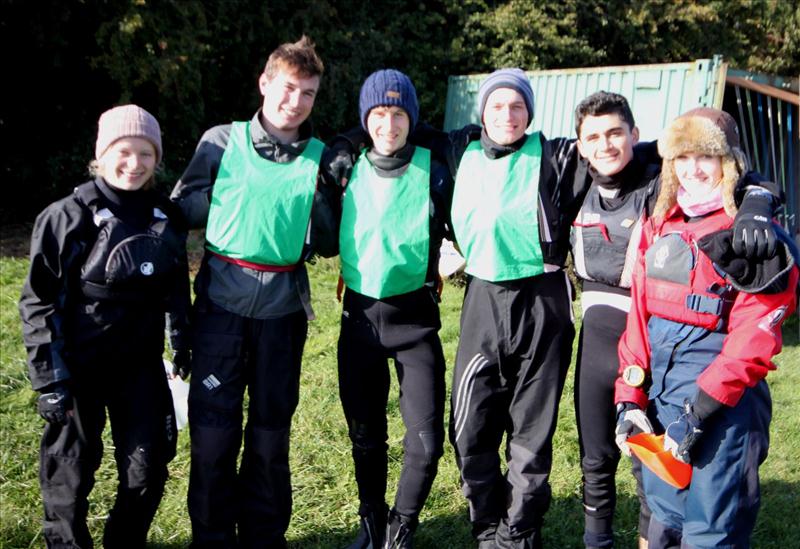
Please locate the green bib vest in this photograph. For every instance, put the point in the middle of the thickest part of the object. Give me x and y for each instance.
(494, 212)
(260, 209)
(385, 231)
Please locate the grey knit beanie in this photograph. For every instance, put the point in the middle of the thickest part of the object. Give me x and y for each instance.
(516, 79)
(388, 87)
(127, 121)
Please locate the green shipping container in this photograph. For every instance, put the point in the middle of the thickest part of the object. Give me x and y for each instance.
(657, 94)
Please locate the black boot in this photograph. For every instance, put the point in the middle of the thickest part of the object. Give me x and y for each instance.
(373, 527)
(399, 531)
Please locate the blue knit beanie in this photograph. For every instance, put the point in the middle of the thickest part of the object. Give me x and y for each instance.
(516, 79)
(388, 87)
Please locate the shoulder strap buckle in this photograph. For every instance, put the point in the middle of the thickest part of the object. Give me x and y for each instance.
(704, 304)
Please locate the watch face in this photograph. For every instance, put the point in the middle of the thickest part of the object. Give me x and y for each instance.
(633, 375)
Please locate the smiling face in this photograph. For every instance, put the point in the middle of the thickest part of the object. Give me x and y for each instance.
(505, 116)
(128, 164)
(698, 172)
(607, 141)
(288, 99)
(388, 126)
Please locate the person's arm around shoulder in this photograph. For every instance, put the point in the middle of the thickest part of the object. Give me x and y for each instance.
(446, 147)
(192, 192)
(565, 173)
(336, 167)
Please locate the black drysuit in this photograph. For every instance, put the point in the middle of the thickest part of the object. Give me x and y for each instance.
(105, 266)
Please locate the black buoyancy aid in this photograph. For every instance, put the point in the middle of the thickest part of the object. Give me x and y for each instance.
(127, 262)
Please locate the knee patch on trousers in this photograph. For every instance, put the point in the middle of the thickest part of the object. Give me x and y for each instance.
(432, 444)
(201, 413)
(366, 437)
(601, 466)
(144, 467)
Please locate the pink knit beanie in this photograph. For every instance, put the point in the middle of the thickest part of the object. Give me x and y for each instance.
(127, 121)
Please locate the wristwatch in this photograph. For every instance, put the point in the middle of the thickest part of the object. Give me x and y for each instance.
(633, 375)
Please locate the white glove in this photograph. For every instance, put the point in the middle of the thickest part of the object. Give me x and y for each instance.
(630, 418)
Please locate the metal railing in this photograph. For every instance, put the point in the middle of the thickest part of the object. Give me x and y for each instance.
(768, 125)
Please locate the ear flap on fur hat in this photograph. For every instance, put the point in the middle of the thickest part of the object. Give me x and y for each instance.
(705, 131)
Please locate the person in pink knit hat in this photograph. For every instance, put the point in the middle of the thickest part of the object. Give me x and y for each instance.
(107, 262)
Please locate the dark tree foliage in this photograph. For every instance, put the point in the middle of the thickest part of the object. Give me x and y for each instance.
(195, 64)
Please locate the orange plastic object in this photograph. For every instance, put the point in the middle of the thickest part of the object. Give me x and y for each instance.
(650, 449)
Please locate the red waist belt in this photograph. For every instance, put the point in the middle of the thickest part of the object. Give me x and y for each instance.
(256, 266)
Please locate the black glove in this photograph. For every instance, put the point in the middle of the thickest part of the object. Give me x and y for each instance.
(342, 154)
(753, 233)
(54, 404)
(182, 363)
(752, 276)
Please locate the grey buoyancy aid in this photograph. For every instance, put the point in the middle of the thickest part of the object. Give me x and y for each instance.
(126, 262)
(605, 240)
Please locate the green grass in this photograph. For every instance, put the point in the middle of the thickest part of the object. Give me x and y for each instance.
(325, 502)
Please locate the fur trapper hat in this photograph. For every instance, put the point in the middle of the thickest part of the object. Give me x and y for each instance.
(707, 131)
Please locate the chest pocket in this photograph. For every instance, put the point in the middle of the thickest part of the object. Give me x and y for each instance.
(128, 262)
(605, 239)
(671, 259)
(682, 285)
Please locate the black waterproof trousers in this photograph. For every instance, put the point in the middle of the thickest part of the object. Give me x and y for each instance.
(404, 328)
(595, 375)
(513, 355)
(134, 391)
(232, 353)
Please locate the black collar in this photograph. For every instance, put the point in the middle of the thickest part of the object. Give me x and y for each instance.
(271, 148)
(495, 150)
(628, 178)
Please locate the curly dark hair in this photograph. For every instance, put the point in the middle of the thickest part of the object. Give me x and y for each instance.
(600, 103)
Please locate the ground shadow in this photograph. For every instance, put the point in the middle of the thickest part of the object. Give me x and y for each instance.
(430, 535)
(15, 240)
(777, 528)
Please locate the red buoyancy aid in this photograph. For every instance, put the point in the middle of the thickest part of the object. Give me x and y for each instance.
(681, 282)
